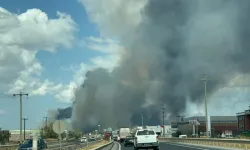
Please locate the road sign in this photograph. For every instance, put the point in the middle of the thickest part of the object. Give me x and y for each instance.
(59, 126)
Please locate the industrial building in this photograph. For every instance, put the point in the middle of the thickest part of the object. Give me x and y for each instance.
(15, 134)
(220, 125)
(243, 121)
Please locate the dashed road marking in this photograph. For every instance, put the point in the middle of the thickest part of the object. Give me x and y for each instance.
(187, 146)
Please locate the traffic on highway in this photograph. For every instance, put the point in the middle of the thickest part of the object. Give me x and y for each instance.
(168, 146)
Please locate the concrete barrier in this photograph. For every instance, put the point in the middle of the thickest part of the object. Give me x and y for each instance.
(103, 146)
(225, 143)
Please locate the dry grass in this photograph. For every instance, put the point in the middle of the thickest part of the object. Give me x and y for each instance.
(212, 143)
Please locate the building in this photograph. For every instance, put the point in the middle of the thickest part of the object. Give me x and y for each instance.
(220, 125)
(15, 134)
(244, 121)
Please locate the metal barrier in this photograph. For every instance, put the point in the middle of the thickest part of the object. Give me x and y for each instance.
(65, 146)
(226, 143)
(76, 146)
(10, 147)
(50, 145)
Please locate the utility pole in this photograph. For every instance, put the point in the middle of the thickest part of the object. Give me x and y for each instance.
(44, 130)
(21, 112)
(24, 124)
(205, 98)
(46, 122)
(142, 121)
(163, 118)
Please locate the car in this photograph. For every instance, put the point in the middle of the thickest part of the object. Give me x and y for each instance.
(83, 139)
(146, 139)
(129, 140)
(28, 144)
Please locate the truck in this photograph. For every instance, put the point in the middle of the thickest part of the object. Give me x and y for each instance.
(115, 135)
(123, 133)
(146, 139)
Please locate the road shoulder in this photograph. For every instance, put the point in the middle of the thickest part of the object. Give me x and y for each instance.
(199, 146)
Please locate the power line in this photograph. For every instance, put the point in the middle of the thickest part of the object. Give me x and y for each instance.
(21, 111)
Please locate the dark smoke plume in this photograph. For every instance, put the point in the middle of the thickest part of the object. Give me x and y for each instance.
(176, 42)
(60, 114)
(65, 113)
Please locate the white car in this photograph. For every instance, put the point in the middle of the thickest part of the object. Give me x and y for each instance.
(83, 139)
(146, 139)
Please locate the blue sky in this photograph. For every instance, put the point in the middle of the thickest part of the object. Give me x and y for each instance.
(60, 69)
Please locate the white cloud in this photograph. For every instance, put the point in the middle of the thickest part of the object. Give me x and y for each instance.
(66, 93)
(33, 30)
(21, 37)
(114, 17)
(103, 45)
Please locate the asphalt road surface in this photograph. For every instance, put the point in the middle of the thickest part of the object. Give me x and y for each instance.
(168, 146)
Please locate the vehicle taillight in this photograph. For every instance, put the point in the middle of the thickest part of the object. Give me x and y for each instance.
(157, 137)
(136, 141)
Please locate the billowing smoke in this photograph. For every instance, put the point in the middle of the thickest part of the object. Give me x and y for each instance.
(64, 113)
(60, 114)
(175, 42)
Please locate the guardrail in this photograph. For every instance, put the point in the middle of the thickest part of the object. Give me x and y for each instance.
(50, 144)
(73, 146)
(227, 143)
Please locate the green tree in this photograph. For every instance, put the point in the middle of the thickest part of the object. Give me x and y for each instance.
(4, 136)
(178, 133)
(47, 132)
(74, 134)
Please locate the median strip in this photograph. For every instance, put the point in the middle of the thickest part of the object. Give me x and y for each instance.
(96, 145)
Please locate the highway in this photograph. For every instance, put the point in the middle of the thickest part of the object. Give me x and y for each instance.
(168, 146)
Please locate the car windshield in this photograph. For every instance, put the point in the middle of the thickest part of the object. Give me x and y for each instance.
(28, 141)
(145, 132)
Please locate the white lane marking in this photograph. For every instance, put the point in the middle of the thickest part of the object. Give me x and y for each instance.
(119, 145)
(187, 146)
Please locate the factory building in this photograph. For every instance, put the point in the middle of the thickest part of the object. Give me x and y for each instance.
(243, 121)
(219, 125)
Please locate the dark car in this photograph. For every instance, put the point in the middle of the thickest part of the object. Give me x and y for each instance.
(92, 139)
(28, 144)
(129, 141)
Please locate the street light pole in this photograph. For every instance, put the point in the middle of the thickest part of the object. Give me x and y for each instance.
(142, 120)
(99, 128)
(205, 98)
(163, 119)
